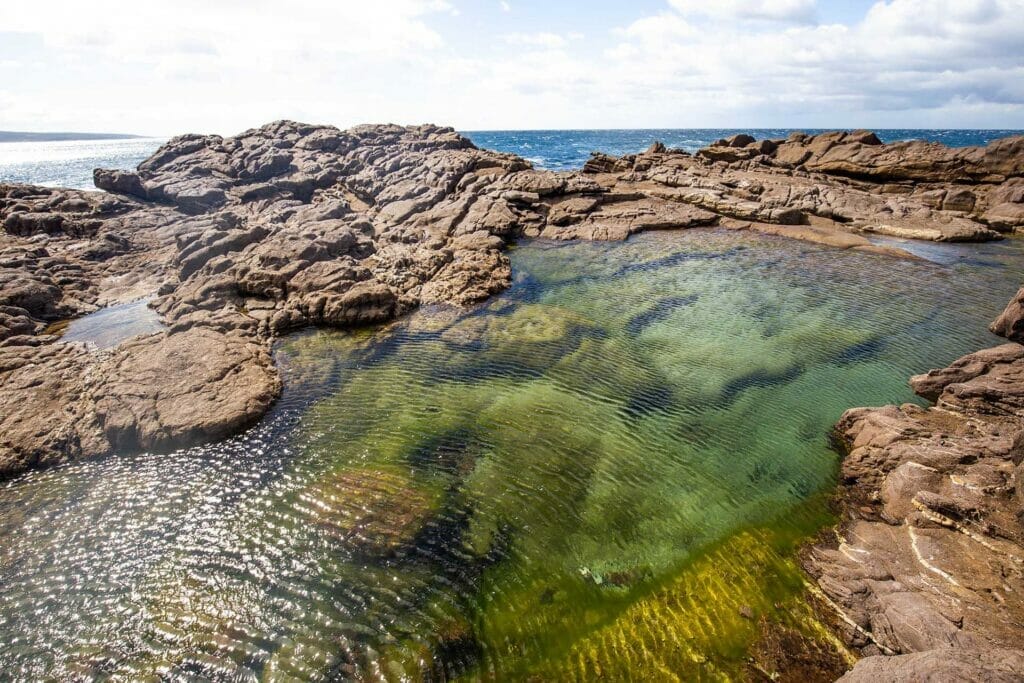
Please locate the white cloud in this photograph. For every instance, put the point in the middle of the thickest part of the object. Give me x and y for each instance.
(798, 11)
(542, 39)
(229, 30)
(229, 65)
(914, 56)
(505, 7)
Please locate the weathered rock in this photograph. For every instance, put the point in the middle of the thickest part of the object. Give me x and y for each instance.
(932, 384)
(243, 238)
(859, 155)
(1010, 323)
(171, 390)
(939, 666)
(121, 182)
(930, 560)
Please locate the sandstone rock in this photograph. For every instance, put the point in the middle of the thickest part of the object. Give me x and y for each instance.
(959, 200)
(931, 384)
(937, 666)
(243, 238)
(121, 182)
(916, 160)
(1010, 323)
(171, 390)
(929, 565)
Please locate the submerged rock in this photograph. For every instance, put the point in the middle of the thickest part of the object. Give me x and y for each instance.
(244, 238)
(376, 511)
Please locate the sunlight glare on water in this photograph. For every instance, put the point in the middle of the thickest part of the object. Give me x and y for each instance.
(588, 475)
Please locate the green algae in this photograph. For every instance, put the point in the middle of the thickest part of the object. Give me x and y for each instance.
(585, 478)
(604, 472)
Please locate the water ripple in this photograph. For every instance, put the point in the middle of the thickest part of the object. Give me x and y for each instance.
(590, 473)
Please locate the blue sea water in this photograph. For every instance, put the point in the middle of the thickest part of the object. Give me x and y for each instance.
(69, 163)
(561, 150)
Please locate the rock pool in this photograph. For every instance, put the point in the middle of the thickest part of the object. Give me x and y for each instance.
(112, 325)
(604, 471)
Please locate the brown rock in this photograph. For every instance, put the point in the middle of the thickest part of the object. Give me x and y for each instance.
(167, 391)
(1010, 323)
(929, 560)
(998, 665)
(243, 238)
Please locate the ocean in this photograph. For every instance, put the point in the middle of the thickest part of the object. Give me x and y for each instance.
(69, 163)
(561, 150)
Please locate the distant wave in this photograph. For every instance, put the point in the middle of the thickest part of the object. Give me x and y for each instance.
(570, 149)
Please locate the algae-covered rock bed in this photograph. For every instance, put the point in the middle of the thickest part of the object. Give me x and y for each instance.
(604, 471)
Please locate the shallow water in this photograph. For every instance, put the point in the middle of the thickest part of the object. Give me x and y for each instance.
(589, 475)
(112, 325)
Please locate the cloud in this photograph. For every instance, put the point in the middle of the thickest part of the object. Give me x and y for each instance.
(225, 66)
(542, 39)
(232, 29)
(505, 7)
(905, 55)
(796, 11)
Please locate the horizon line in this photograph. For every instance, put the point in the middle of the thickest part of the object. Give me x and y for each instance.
(141, 136)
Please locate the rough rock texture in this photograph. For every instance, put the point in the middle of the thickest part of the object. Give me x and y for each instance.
(929, 562)
(918, 190)
(1010, 323)
(937, 666)
(241, 239)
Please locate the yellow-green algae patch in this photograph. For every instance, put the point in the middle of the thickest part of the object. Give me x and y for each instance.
(703, 621)
(602, 473)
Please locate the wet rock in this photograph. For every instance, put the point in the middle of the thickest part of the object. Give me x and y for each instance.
(928, 565)
(375, 511)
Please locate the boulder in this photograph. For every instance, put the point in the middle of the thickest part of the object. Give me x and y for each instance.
(1010, 323)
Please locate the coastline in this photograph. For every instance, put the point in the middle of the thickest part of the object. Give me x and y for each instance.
(384, 219)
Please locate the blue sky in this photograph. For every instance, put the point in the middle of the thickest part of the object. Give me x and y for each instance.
(198, 65)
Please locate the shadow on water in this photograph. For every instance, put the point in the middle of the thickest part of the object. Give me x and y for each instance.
(590, 474)
(662, 309)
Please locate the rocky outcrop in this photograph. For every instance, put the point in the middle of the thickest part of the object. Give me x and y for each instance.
(1010, 323)
(240, 239)
(928, 565)
(860, 154)
(920, 190)
(993, 666)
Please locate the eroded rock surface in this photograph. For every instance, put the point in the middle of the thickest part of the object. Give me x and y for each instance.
(929, 563)
(243, 238)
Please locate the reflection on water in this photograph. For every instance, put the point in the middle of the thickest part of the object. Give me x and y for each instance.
(112, 325)
(69, 163)
(601, 472)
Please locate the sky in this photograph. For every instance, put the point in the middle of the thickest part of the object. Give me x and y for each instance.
(221, 66)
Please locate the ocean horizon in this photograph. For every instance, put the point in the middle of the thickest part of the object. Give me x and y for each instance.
(68, 162)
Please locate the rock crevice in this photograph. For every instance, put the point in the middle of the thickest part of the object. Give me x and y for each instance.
(241, 239)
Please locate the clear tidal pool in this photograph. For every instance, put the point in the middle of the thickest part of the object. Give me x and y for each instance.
(603, 472)
(110, 326)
